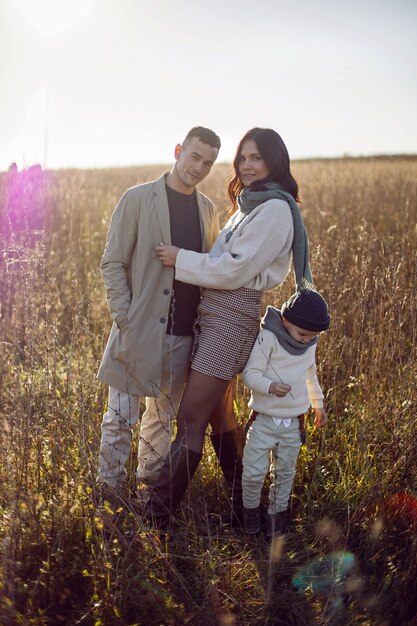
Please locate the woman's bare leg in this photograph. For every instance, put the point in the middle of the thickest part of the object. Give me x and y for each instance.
(223, 418)
(202, 395)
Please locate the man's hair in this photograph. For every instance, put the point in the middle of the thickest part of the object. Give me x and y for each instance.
(205, 135)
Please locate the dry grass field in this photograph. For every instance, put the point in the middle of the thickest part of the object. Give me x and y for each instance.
(356, 486)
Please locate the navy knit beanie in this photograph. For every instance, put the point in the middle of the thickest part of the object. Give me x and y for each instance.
(308, 310)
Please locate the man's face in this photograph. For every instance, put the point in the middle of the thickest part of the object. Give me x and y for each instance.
(194, 161)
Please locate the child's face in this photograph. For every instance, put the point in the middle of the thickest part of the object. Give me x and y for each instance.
(299, 334)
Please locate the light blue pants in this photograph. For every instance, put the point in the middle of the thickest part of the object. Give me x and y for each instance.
(265, 437)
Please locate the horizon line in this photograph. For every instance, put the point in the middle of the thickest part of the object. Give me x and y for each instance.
(346, 156)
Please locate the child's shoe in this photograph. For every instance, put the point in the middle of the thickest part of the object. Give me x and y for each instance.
(252, 520)
(278, 524)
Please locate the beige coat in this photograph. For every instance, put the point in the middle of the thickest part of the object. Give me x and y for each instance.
(139, 286)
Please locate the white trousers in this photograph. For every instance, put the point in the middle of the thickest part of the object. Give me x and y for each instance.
(156, 425)
(265, 437)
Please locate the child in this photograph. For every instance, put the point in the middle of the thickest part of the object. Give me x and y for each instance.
(281, 373)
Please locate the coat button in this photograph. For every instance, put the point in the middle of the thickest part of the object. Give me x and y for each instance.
(162, 320)
(166, 292)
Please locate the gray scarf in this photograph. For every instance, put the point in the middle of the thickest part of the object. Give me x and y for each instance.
(272, 321)
(249, 199)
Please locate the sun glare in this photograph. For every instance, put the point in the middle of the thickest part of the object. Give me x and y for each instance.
(34, 130)
(52, 17)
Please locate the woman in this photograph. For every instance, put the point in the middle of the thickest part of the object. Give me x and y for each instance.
(252, 254)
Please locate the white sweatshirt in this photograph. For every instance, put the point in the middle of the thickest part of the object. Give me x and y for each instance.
(270, 362)
(257, 255)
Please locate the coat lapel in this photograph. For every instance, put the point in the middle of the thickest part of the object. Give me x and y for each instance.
(208, 222)
(162, 210)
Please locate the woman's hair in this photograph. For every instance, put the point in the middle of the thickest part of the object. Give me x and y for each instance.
(275, 154)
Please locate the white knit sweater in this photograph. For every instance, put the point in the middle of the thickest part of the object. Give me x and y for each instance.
(270, 362)
(257, 255)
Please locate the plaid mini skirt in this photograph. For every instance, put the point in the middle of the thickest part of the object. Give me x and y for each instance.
(225, 330)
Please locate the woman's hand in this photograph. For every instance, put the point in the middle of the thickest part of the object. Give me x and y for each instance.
(167, 254)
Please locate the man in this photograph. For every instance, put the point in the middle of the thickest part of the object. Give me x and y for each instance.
(147, 354)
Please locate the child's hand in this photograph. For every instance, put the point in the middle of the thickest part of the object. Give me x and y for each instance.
(279, 389)
(321, 418)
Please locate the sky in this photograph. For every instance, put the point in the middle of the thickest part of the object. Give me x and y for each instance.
(102, 83)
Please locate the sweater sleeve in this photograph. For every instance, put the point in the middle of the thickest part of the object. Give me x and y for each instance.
(315, 394)
(259, 243)
(253, 375)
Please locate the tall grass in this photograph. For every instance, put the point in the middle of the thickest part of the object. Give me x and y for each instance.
(356, 482)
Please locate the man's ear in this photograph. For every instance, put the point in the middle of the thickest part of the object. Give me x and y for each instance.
(178, 150)
(284, 321)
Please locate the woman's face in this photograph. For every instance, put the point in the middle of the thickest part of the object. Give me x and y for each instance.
(251, 166)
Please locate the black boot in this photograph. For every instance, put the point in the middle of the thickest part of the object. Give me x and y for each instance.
(171, 484)
(252, 520)
(278, 525)
(229, 450)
